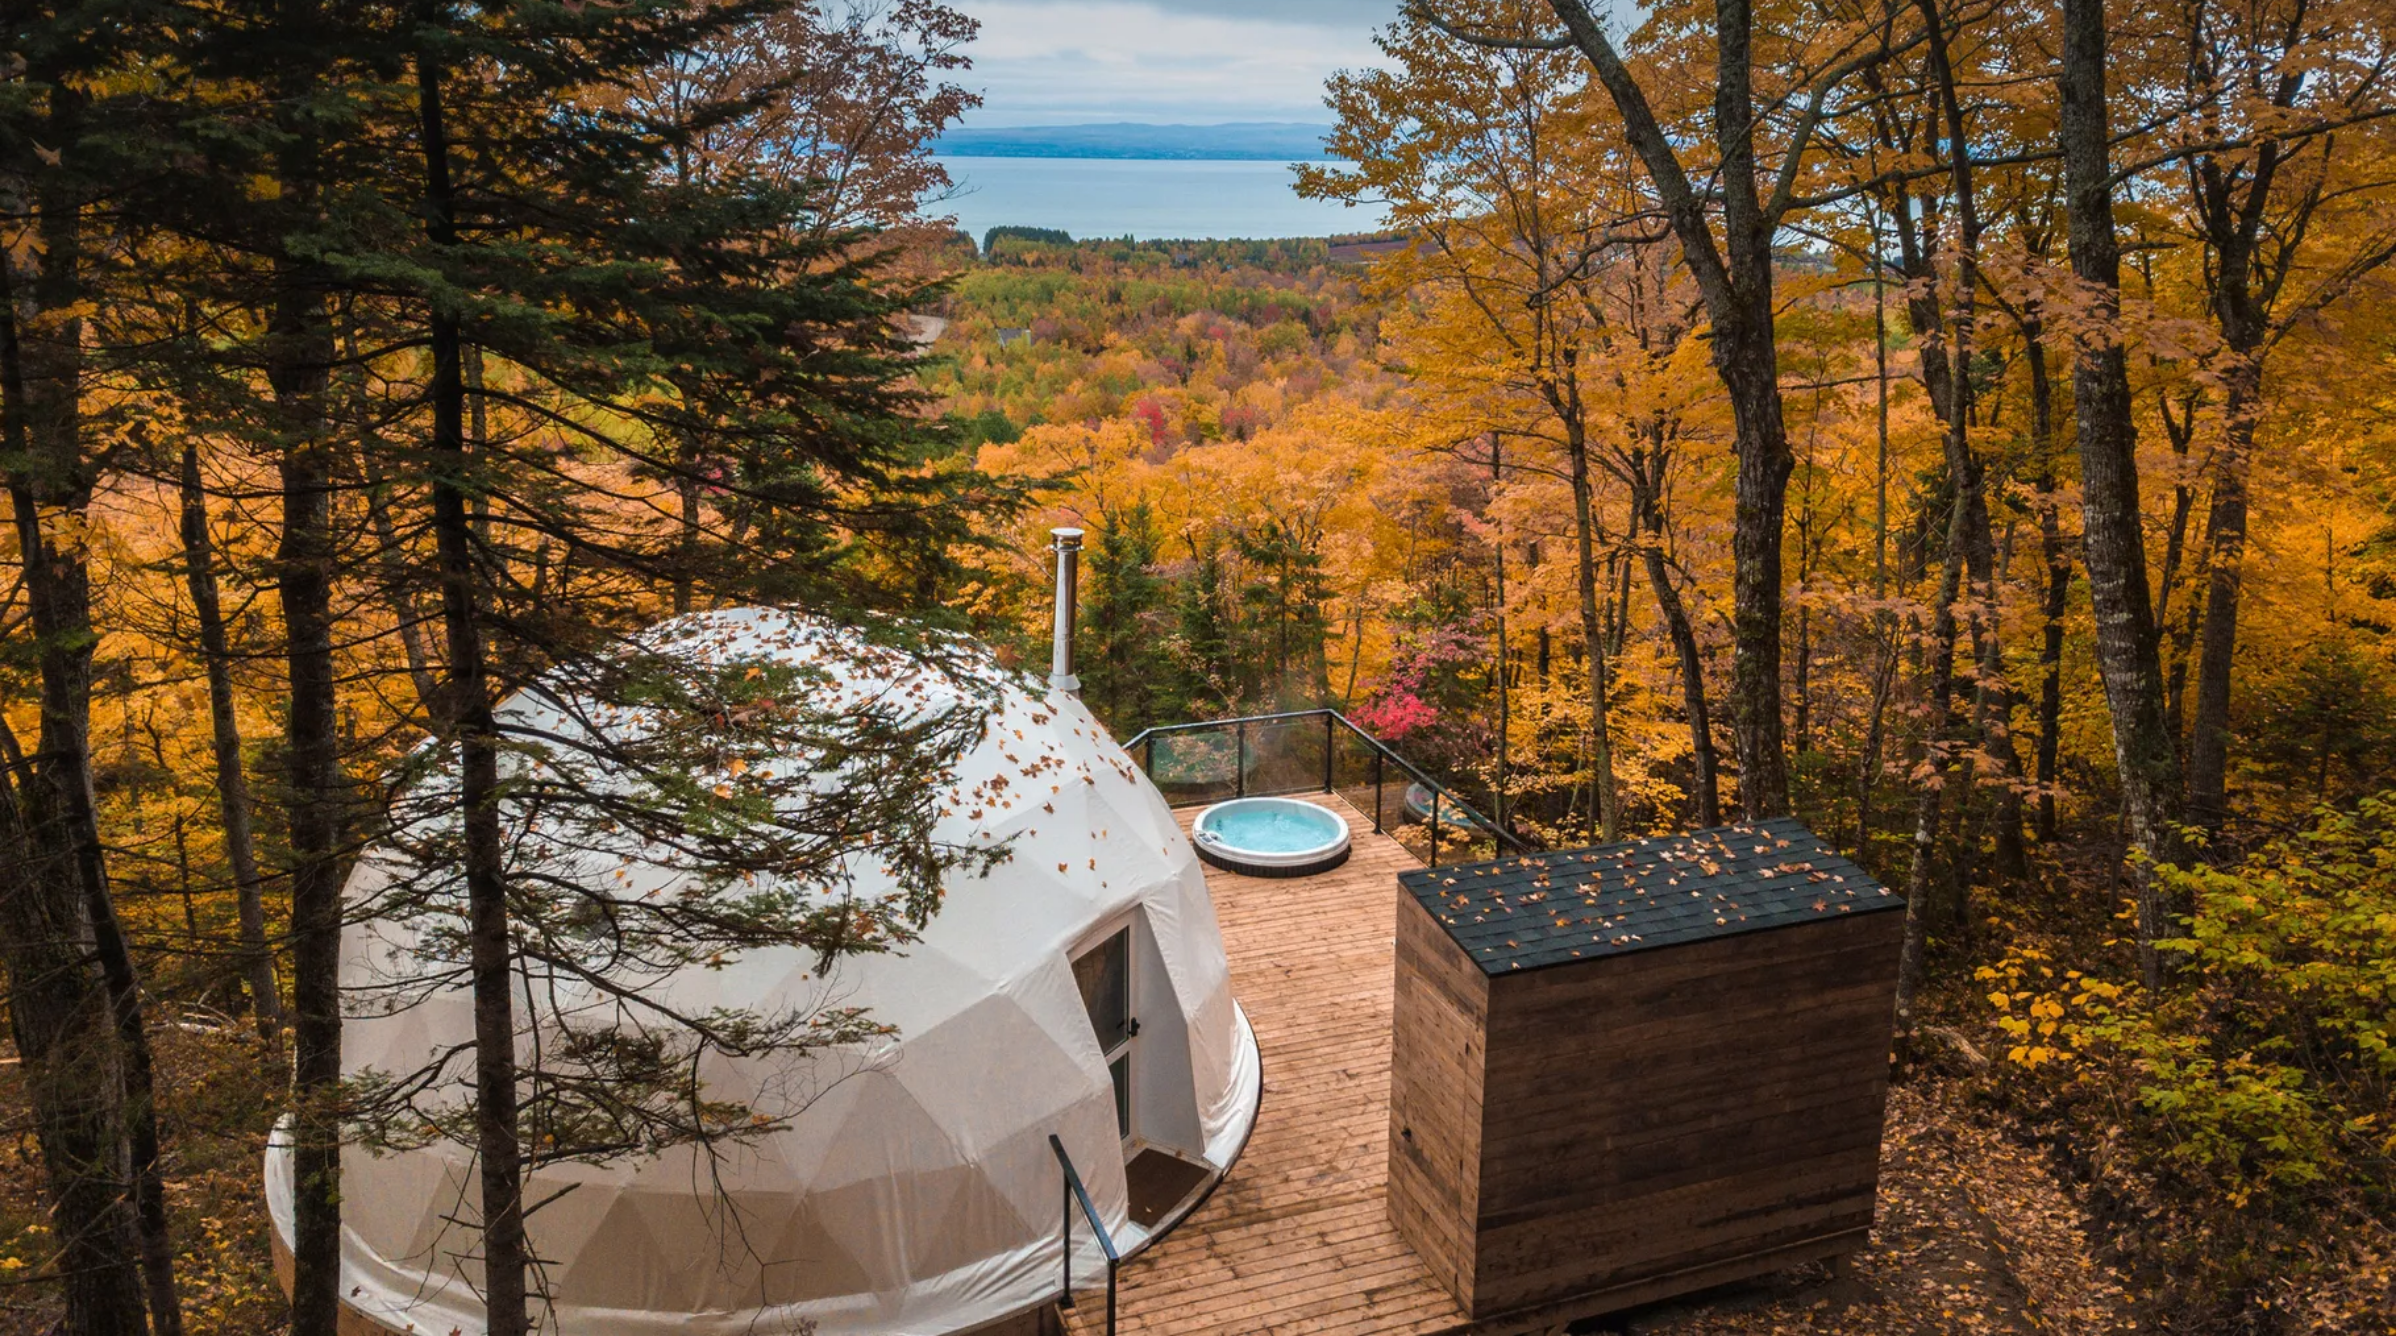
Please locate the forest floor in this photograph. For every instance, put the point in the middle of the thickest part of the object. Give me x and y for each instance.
(219, 1094)
(1977, 1233)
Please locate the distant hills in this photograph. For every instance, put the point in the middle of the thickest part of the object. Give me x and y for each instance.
(1276, 141)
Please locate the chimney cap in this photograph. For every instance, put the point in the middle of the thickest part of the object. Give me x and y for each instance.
(1066, 537)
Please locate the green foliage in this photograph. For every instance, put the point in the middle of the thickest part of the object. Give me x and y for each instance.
(1127, 663)
(1207, 678)
(975, 430)
(2256, 1097)
(2320, 726)
(1283, 602)
(2297, 948)
(1044, 236)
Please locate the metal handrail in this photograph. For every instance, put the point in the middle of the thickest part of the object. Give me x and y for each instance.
(1143, 744)
(1074, 1191)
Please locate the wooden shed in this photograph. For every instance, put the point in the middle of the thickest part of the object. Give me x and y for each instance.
(1625, 1073)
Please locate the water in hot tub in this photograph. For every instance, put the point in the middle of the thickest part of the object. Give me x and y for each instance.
(1272, 830)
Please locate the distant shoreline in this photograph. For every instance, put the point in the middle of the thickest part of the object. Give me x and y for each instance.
(1151, 199)
(1100, 155)
(1256, 141)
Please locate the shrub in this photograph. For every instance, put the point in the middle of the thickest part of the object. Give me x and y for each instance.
(2243, 1117)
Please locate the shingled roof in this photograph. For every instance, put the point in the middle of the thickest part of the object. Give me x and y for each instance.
(1577, 904)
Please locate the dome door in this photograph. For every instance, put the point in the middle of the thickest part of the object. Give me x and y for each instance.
(1104, 973)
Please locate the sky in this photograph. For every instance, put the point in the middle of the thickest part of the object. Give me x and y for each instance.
(1195, 62)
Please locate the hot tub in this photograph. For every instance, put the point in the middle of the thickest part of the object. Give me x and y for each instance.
(1271, 837)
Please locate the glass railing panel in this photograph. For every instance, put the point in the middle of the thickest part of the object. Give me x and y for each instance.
(1316, 752)
(1198, 766)
(1353, 774)
(1286, 756)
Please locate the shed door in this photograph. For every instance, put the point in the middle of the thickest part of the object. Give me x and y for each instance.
(1104, 973)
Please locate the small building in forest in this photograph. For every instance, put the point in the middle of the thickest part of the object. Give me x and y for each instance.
(1624, 1073)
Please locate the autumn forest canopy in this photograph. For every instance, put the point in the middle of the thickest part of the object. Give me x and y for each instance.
(1970, 428)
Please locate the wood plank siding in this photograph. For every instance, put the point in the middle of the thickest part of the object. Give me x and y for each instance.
(1718, 1101)
(1637, 1123)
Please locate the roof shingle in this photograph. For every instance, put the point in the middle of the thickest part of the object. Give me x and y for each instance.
(1577, 904)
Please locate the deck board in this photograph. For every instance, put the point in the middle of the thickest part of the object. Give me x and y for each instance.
(1297, 1238)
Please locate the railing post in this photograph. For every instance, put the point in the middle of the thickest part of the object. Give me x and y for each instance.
(1377, 789)
(1239, 768)
(1435, 827)
(1106, 1243)
(1328, 753)
(1151, 749)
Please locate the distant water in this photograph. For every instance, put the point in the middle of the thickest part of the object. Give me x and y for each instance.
(1143, 198)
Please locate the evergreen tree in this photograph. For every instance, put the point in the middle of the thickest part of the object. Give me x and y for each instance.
(1126, 664)
(75, 147)
(705, 338)
(1283, 601)
(1202, 644)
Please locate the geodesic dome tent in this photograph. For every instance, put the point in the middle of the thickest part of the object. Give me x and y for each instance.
(917, 1191)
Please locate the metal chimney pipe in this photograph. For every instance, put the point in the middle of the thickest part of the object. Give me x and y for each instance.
(1060, 663)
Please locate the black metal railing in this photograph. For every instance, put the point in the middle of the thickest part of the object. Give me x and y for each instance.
(1310, 751)
(1075, 1193)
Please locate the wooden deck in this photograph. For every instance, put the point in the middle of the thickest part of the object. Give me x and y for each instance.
(1297, 1238)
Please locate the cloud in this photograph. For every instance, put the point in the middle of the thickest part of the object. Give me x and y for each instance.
(1047, 62)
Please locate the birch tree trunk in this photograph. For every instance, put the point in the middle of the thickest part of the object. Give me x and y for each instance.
(2113, 540)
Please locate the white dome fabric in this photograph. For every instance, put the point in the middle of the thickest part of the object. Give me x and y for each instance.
(917, 1194)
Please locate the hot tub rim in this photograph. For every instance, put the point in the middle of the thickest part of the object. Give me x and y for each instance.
(1305, 862)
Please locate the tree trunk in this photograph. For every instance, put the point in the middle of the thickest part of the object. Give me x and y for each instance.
(1593, 632)
(2114, 544)
(61, 615)
(1650, 511)
(299, 359)
(2255, 234)
(498, 1152)
(397, 580)
(2057, 558)
(63, 1017)
(232, 784)
(123, 981)
(66, 1045)
(1736, 281)
(1504, 669)
(2225, 553)
(2181, 432)
(1947, 330)
(397, 576)
(1749, 365)
(1913, 954)
(1884, 622)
